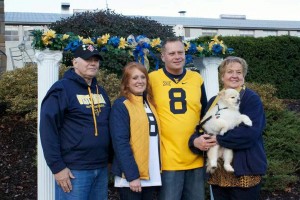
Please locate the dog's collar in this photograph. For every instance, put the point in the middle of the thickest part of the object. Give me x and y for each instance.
(199, 127)
(217, 114)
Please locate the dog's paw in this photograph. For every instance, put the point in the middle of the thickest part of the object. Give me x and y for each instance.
(210, 169)
(228, 168)
(213, 163)
(223, 130)
(246, 120)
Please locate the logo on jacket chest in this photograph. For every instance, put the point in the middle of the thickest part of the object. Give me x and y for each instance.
(166, 83)
(98, 101)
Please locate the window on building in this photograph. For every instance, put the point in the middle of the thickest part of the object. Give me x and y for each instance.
(187, 32)
(11, 33)
(27, 32)
(247, 33)
(270, 33)
(209, 32)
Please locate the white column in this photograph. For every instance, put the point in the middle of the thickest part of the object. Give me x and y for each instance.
(208, 67)
(48, 68)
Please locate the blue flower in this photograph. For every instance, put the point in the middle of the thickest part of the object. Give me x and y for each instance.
(188, 58)
(192, 49)
(230, 50)
(140, 38)
(114, 41)
(104, 49)
(72, 46)
(217, 49)
(145, 45)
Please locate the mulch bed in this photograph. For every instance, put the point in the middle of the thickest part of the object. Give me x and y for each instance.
(18, 160)
(292, 104)
(18, 177)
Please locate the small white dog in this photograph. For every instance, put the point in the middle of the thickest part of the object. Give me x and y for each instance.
(223, 117)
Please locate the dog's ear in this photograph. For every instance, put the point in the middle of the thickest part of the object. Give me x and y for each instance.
(222, 93)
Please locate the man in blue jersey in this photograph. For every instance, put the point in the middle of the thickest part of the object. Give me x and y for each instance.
(180, 99)
(74, 130)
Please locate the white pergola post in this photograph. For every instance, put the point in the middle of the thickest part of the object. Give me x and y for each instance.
(208, 67)
(48, 68)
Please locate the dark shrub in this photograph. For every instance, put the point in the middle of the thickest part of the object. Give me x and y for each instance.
(282, 140)
(18, 91)
(90, 24)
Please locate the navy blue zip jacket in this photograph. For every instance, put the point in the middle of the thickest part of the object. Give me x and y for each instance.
(68, 121)
(246, 142)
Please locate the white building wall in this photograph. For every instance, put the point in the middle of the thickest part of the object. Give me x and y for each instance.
(282, 33)
(295, 33)
(179, 30)
(259, 33)
(195, 32)
(228, 32)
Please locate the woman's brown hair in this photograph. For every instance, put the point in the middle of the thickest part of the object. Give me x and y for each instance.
(127, 75)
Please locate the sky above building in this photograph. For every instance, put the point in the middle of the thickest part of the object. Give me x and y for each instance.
(252, 9)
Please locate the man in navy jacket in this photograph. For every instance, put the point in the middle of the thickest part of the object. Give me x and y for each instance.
(74, 130)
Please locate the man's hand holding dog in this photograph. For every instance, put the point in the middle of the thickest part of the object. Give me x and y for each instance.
(205, 141)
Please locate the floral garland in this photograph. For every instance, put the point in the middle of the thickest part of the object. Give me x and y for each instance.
(139, 47)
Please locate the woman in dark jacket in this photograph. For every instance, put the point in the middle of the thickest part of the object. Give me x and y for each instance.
(249, 160)
(134, 127)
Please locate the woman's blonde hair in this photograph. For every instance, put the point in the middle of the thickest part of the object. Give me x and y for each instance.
(233, 59)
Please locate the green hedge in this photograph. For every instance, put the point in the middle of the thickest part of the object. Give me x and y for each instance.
(274, 60)
(282, 140)
(18, 90)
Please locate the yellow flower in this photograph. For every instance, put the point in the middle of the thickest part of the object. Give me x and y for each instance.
(47, 36)
(187, 46)
(46, 41)
(103, 40)
(223, 47)
(215, 39)
(65, 36)
(122, 43)
(200, 48)
(50, 34)
(80, 38)
(155, 42)
(87, 41)
(210, 45)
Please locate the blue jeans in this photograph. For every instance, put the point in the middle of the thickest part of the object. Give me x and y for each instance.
(182, 185)
(87, 185)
